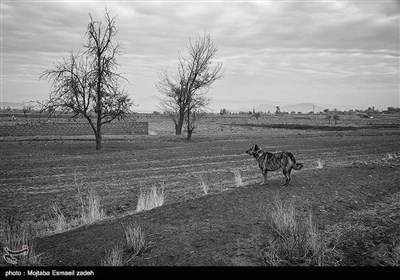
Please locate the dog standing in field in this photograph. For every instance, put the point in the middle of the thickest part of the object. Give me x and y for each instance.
(273, 161)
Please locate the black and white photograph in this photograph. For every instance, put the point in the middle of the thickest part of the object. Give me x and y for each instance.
(198, 134)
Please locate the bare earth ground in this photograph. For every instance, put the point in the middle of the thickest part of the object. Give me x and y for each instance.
(360, 173)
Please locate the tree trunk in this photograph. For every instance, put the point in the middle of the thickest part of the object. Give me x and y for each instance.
(179, 125)
(189, 134)
(98, 137)
(178, 129)
(98, 143)
(99, 101)
(190, 127)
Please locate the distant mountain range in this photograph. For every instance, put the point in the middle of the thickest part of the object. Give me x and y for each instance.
(12, 105)
(303, 107)
(262, 105)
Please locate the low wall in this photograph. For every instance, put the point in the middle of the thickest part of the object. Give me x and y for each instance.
(70, 129)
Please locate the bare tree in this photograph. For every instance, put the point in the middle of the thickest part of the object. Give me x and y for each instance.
(184, 92)
(88, 83)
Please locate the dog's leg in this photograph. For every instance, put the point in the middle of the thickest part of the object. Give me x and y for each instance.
(265, 178)
(287, 176)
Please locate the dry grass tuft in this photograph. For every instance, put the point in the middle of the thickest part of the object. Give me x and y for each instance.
(134, 245)
(295, 242)
(135, 241)
(284, 217)
(320, 165)
(91, 211)
(60, 222)
(90, 205)
(150, 199)
(113, 257)
(203, 185)
(238, 178)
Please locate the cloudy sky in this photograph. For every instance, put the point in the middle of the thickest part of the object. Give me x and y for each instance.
(323, 52)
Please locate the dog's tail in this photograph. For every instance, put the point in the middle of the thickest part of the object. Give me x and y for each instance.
(296, 165)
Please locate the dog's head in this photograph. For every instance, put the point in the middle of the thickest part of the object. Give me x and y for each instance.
(253, 150)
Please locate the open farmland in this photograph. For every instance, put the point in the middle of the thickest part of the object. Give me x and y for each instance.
(344, 171)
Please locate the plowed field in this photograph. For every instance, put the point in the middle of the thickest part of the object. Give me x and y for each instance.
(343, 171)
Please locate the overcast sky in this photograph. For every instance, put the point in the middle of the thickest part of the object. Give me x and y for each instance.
(323, 52)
